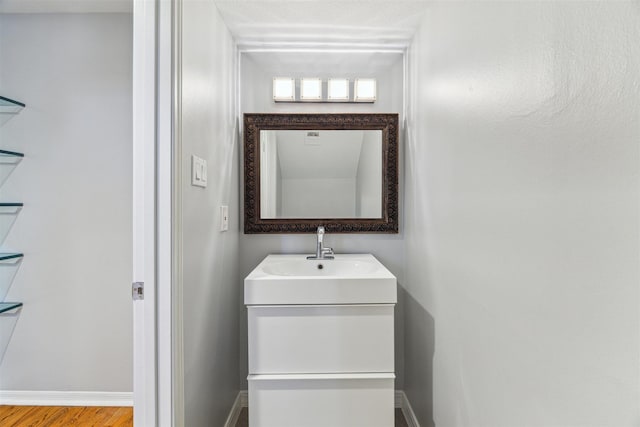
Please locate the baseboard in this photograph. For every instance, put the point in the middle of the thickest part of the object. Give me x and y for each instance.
(400, 401)
(403, 403)
(240, 402)
(244, 398)
(66, 398)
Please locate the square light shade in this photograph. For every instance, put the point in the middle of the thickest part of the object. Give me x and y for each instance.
(310, 89)
(284, 89)
(364, 90)
(338, 90)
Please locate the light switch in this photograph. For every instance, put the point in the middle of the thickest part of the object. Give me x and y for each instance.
(198, 171)
(224, 218)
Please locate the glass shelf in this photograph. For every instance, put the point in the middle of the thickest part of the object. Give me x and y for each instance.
(6, 256)
(9, 313)
(8, 306)
(9, 265)
(9, 261)
(8, 162)
(9, 108)
(8, 214)
(6, 153)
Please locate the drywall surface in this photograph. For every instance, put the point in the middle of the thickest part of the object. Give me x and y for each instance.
(210, 279)
(257, 72)
(74, 73)
(522, 207)
(331, 198)
(270, 199)
(368, 194)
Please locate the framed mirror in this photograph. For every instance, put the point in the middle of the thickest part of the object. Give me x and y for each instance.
(335, 170)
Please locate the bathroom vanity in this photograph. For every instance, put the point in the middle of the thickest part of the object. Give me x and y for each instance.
(321, 347)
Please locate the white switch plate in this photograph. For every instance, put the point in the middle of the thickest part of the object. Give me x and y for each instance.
(198, 171)
(224, 218)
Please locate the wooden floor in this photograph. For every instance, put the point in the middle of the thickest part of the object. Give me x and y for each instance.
(50, 416)
(243, 420)
(91, 416)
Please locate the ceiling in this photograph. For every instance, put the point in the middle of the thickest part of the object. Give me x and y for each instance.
(376, 23)
(303, 22)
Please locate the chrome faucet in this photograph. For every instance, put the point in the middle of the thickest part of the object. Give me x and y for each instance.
(321, 252)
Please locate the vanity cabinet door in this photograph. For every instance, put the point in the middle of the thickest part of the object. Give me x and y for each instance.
(320, 339)
(321, 400)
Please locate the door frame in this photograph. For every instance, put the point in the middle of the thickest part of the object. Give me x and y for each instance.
(153, 211)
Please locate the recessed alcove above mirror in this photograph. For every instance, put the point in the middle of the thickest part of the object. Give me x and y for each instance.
(335, 170)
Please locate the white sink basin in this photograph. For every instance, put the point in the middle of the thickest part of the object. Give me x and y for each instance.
(293, 279)
(305, 267)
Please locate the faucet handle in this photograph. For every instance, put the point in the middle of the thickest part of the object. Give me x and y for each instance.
(328, 251)
(320, 229)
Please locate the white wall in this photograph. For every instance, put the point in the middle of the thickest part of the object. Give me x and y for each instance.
(269, 176)
(257, 71)
(74, 73)
(369, 177)
(326, 198)
(522, 215)
(211, 285)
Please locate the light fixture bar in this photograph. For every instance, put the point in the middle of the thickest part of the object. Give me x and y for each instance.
(284, 89)
(310, 89)
(364, 90)
(338, 89)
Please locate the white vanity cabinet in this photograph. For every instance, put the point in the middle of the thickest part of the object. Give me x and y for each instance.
(328, 364)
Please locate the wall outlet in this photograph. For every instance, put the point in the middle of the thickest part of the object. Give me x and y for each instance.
(198, 171)
(224, 218)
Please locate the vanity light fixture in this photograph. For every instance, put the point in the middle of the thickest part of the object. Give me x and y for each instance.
(310, 89)
(338, 89)
(284, 89)
(364, 90)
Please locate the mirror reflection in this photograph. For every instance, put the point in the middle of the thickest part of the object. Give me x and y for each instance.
(321, 174)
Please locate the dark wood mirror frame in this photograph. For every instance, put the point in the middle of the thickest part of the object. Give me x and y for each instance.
(256, 122)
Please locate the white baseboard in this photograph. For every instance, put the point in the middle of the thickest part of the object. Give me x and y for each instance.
(244, 398)
(400, 401)
(66, 398)
(240, 402)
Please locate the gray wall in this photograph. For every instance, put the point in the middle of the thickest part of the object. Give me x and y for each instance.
(522, 207)
(257, 71)
(211, 285)
(368, 194)
(74, 73)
